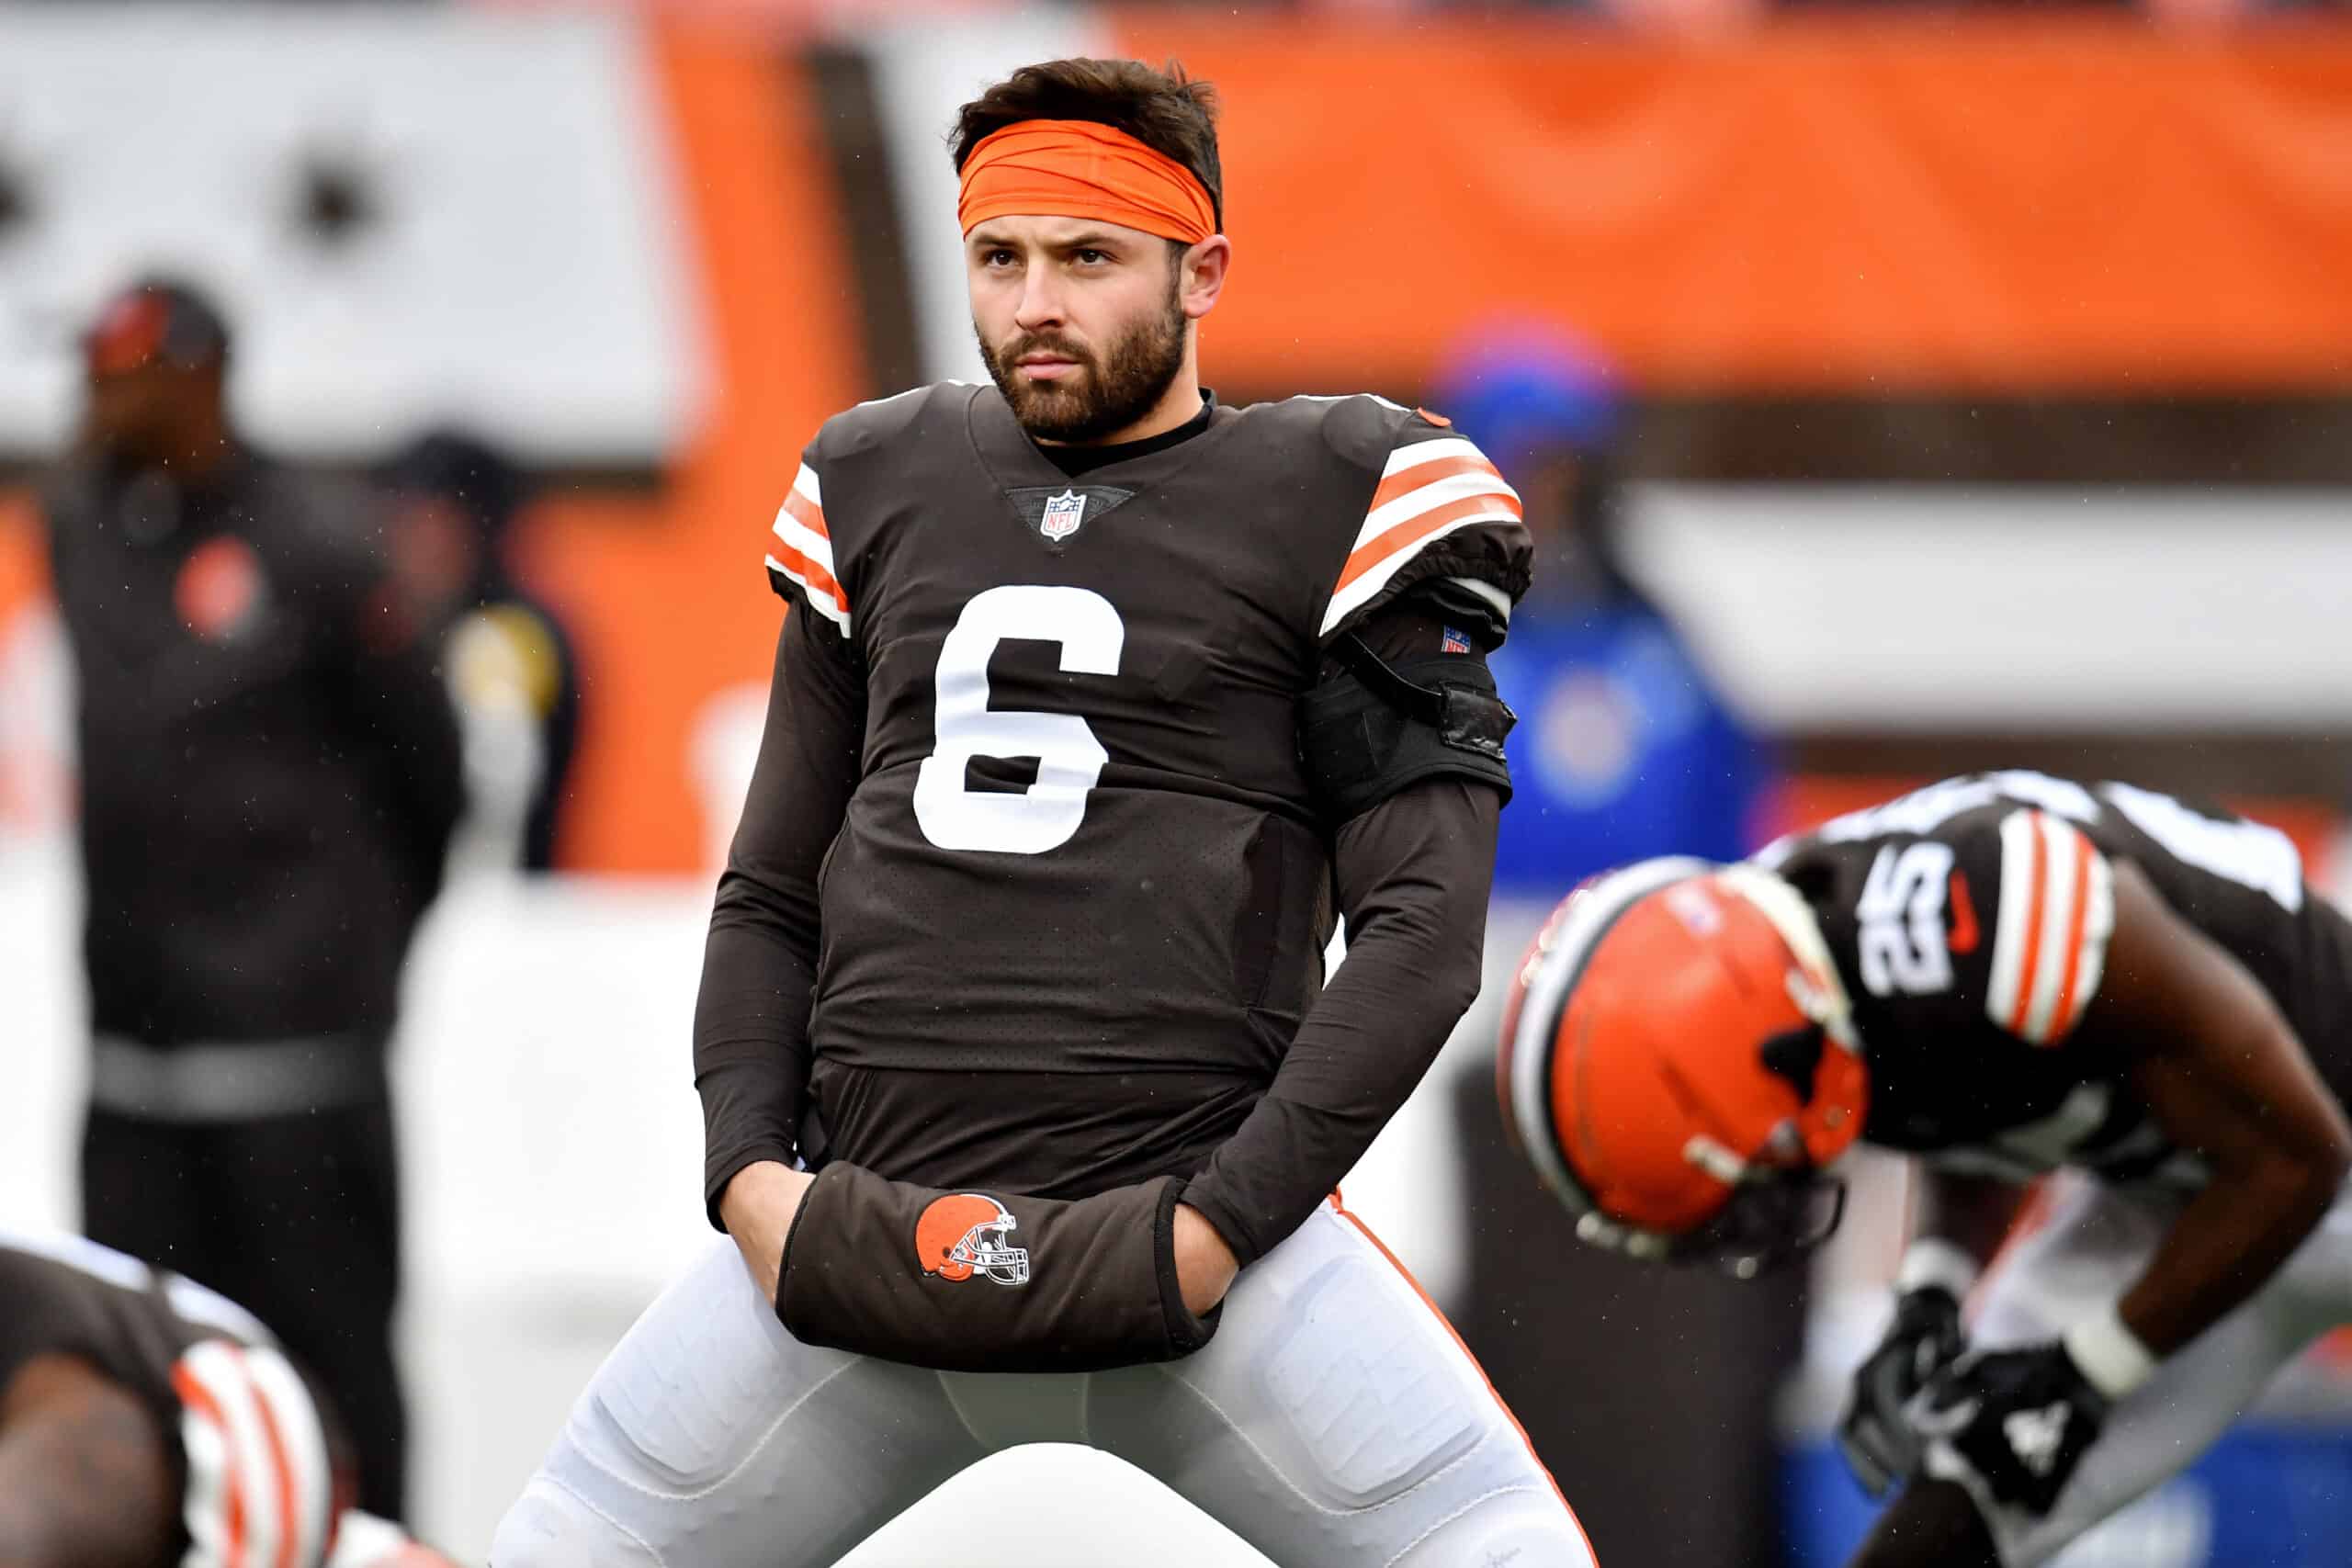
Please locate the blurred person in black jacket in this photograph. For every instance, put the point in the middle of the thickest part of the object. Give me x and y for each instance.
(512, 669)
(269, 776)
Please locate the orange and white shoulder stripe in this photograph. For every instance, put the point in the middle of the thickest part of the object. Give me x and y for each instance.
(260, 1489)
(804, 549)
(1427, 490)
(2057, 910)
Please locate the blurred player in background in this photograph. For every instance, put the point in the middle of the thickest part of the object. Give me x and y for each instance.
(269, 773)
(1093, 694)
(1624, 748)
(146, 1422)
(509, 661)
(2005, 975)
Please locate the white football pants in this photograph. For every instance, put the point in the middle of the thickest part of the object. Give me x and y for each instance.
(2092, 1245)
(1334, 1422)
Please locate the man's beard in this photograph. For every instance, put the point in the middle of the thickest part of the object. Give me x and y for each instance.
(1108, 393)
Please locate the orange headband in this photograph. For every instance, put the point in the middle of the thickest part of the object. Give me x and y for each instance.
(1076, 168)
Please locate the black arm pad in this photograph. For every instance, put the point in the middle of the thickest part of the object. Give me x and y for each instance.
(971, 1282)
(1376, 728)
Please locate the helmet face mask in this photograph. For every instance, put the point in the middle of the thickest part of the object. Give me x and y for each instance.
(1679, 1066)
(1772, 1217)
(1769, 1222)
(985, 1250)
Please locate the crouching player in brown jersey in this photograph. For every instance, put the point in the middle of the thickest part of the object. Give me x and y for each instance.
(1025, 1099)
(147, 1423)
(2007, 975)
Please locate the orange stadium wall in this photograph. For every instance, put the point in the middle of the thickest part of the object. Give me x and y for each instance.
(669, 596)
(1863, 207)
(1832, 203)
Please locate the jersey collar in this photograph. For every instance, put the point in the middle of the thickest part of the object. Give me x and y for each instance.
(1017, 462)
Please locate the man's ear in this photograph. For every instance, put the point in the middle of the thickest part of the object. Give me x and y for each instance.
(1200, 274)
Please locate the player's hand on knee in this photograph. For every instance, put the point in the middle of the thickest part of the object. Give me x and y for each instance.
(1876, 1436)
(2010, 1423)
(758, 1208)
(1205, 1266)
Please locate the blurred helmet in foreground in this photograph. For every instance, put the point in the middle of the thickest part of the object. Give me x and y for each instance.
(1678, 1065)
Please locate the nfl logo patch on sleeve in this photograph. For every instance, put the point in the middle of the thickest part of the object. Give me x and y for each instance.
(1063, 514)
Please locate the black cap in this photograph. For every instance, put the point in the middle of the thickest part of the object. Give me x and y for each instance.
(156, 317)
(464, 468)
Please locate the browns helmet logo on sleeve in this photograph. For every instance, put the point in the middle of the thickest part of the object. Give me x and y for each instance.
(222, 591)
(964, 1234)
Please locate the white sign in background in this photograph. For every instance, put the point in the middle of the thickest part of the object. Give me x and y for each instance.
(2018, 608)
(519, 260)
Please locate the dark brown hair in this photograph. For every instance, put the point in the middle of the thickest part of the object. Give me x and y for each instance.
(1165, 110)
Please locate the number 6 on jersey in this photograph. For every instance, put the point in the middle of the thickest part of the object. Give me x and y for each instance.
(1070, 759)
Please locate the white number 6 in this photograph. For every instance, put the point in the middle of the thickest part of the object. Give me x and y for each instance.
(1070, 759)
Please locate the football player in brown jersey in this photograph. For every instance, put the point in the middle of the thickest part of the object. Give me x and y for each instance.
(2005, 975)
(147, 1423)
(1025, 1099)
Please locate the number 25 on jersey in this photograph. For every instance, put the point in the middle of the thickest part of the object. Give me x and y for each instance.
(1902, 915)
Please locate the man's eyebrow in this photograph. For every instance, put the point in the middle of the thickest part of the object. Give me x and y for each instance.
(983, 237)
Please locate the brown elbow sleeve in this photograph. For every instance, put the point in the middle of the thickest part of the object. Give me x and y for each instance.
(977, 1282)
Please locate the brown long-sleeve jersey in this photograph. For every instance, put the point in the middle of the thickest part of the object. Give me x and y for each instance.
(1032, 889)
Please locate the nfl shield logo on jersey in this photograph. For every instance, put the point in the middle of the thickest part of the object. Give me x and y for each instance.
(1064, 513)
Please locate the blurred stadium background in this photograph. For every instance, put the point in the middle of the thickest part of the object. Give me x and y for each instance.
(1983, 394)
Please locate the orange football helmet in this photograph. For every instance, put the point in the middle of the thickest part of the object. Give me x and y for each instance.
(1679, 1063)
(963, 1234)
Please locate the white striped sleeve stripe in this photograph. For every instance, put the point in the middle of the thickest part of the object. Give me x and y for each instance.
(302, 1450)
(1367, 586)
(249, 1526)
(804, 550)
(824, 601)
(204, 1509)
(2057, 909)
(1427, 490)
(260, 1489)
(1494, 598)
(805, 542)
(1421, 452)
(1429, 497)
(2020, 880)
